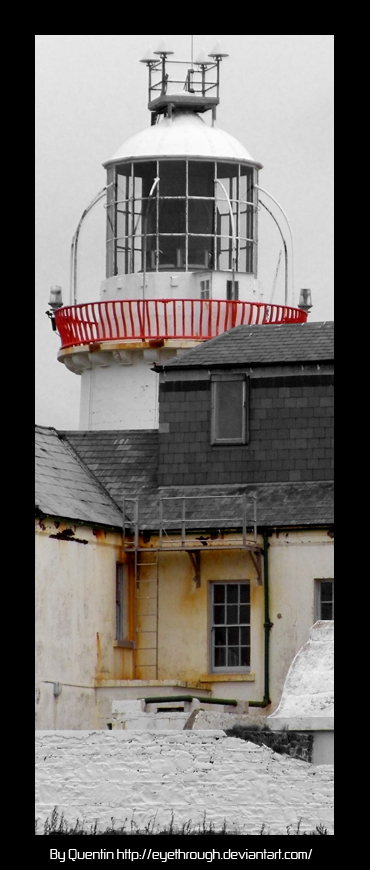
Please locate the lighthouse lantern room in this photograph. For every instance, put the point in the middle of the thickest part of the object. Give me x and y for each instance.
(181, 248)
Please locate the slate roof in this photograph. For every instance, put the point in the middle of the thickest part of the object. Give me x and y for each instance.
(65, 487)
(126, 464)
(278, 504)
(263, 345)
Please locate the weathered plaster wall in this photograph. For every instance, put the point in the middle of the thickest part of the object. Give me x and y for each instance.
(94, 775)
(75, 621)
(296, 559)
(184, 620)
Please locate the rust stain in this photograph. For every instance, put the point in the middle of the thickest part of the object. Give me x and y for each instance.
(67, 535)
(98, 658)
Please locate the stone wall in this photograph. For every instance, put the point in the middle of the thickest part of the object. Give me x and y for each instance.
(97, 775)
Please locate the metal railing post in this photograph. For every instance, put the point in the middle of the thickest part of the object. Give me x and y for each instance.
(136, 523)
(255, 517)
(160, 521)
(183, 536)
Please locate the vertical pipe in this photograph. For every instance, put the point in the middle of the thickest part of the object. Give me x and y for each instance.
(267, 624)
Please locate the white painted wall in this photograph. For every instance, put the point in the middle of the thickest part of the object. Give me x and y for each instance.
(178, 285)
(96, 775)
(296, 559)
(120, 396)
(75, 622)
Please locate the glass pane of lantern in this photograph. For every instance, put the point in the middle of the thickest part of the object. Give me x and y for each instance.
(201, 178)
(172, 252)
(172, 178)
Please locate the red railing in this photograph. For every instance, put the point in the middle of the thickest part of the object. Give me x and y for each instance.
(151, 319)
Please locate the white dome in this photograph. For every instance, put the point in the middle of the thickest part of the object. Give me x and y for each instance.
(183, 135)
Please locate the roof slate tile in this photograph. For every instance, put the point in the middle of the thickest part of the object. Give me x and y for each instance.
(65, 486)
(261, 344)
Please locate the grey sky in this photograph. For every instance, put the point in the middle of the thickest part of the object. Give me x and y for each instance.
(276, 98)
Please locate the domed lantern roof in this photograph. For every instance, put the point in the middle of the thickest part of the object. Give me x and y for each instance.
(184, 134)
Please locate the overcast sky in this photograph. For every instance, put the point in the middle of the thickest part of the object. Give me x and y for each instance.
(276, 98)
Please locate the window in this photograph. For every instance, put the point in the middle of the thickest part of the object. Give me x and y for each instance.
(324, 594)
(204, 289)
(230, 626)
(229, 409)
(232, 290)
(122, 629)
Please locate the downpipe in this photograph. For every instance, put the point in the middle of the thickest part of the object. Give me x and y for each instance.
(267, 626)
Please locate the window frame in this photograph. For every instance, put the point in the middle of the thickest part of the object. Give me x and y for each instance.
(232, 290)
(122, 607)
(318, 600)
(225, 669)
(205, 288)
(224, 378)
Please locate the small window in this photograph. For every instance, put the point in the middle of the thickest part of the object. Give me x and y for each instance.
(122, 628)
(204, 289)
(229, 409)
(232, 290)
(324, 599)
(230, 626)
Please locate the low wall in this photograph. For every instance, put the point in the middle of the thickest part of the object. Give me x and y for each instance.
(97, 775)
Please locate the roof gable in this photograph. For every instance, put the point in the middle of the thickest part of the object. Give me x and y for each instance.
(126, 462)
(66, 487)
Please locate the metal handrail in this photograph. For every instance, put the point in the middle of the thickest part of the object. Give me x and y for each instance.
(185, 523)
(161, 319)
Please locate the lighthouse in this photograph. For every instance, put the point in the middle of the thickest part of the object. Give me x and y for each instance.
(181, 249)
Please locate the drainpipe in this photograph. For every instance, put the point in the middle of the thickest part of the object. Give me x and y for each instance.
(267, 626)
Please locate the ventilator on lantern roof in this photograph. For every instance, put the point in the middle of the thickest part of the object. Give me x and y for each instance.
(181, 84)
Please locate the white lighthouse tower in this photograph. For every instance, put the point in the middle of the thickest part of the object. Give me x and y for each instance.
(181, 249)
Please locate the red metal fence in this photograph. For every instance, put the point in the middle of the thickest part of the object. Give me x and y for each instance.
(152, 319)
